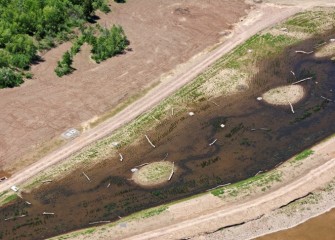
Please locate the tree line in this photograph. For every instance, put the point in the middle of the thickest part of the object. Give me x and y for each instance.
(28, 26)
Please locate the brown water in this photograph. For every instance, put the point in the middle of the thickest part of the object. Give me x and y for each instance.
(238, 153)
(319, 228)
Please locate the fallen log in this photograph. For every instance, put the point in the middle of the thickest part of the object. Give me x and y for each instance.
(291, 107)
(303, 52)
(46, 181)
(215, 103)
(87, 177)
(212, 143)
(6, 219)
(146, 136)
(223, 185)
(141, 165)
(172, 172)
(302, 80)
(166, 155)
(99, 222)
(327, 99)
(48, 213)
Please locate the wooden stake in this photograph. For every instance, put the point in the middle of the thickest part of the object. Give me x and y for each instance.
(172, 111)
(87, 177)
(172, 172)
(121, 157)
(302, 80)
(149, 141)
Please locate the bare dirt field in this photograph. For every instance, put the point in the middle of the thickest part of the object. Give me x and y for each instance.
(162, 34)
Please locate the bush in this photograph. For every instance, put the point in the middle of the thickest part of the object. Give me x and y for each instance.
(9, 78)
(64, 66)
(109, 43)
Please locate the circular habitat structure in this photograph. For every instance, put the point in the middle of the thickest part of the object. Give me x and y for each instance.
(284, 95)
(154, 173)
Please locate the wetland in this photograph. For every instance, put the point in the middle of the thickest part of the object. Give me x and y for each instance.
(256, 137)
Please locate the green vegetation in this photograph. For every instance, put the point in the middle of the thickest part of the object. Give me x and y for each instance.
(64, 66)
(107, 44)
(311, 21)
(9, 199)
(304, 154)
(154, 212)
(32, 25)
(9, 78)
(261, 181)
(142, 214)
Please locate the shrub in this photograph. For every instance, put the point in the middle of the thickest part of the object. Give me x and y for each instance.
(9, 78)
(109, 43)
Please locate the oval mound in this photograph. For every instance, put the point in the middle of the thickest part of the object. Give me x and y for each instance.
(284, 95)
(154, 173)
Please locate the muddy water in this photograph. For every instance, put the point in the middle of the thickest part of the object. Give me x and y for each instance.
(321, 227)
(256, 138)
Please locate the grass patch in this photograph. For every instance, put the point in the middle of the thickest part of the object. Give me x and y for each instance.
(311, 21)
(139, 215)
(9, 199)
(154, 212)
(153, 173)
(260, 181)
(304, 154)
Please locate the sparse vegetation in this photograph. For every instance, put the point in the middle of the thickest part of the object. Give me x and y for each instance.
(9, 198)
(304, 154)
(107, 44)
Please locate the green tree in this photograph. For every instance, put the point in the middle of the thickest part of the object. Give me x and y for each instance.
(67, 59)
(88, 8)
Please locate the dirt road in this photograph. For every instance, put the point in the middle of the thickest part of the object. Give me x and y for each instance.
(261, 18)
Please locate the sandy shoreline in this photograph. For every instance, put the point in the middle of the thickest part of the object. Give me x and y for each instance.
(315, 204)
